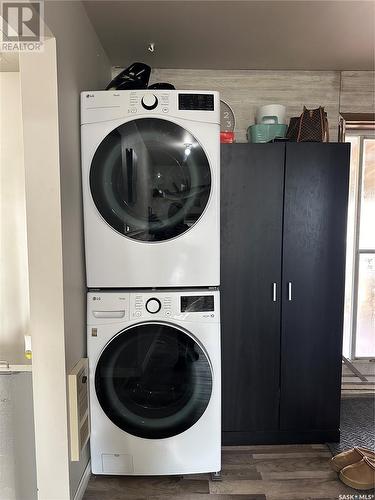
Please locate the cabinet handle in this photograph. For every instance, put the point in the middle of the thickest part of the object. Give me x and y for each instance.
(274, 292)
(290, 291)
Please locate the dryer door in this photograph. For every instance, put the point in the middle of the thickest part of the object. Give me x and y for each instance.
(150, 179)
(153, 380)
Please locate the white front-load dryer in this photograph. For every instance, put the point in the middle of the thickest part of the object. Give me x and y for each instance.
(150, 180)
(155, 398)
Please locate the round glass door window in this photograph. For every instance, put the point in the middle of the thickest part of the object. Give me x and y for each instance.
(153, 381)
(150, 179)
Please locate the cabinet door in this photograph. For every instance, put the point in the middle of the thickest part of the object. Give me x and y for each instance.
(316, 187)
(251, 237)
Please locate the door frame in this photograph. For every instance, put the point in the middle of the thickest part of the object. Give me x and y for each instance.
(40, 99)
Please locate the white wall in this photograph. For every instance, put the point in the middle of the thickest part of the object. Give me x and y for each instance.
(17, 450)
(7, 476)
(81, 65)
(14, 285)
(17, 447)
(51, 81)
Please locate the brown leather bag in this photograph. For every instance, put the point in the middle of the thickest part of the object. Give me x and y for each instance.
(311, 126)
(292, 132)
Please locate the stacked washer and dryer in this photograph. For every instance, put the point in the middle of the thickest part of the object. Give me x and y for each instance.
(151, 198)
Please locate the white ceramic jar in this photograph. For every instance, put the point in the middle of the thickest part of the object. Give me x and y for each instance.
(271, 113)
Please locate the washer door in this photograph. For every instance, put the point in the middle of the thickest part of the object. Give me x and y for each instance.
(153, 381)
(150, 179)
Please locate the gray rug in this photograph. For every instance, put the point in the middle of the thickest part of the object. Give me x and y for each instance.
(357, 424)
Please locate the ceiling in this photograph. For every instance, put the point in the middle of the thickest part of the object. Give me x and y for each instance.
(217, 34)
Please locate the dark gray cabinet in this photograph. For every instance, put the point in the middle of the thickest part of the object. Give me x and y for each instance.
(283, 228)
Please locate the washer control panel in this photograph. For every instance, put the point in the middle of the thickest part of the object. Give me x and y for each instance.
(143, 305)
(190, 306)
(154, 305)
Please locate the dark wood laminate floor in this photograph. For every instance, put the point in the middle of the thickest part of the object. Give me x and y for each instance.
(289, 472)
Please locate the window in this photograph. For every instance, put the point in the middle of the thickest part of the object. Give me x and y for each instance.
(359, 319)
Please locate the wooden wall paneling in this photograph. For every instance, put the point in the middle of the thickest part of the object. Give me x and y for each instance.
(357, 92)
(245, 90)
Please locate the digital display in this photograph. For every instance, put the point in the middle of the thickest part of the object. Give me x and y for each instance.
(196, 102)
(197, 303)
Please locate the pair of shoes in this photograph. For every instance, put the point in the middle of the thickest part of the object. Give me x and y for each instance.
(350, 457)
(356, 468)
(360, 475)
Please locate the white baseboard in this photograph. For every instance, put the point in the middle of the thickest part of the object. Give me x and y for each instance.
(83, 482)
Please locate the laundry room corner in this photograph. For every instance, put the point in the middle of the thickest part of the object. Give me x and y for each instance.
(187, 250)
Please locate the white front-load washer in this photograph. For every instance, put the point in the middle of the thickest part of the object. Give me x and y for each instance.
(155, 398)
(150, 180)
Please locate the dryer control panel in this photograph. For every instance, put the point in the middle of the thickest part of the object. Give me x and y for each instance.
(123, 105)
(196, 102)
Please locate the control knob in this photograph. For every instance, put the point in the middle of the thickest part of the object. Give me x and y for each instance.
(153, 305)
(149, 101)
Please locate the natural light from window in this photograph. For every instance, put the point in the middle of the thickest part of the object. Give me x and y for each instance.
(359, 320)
